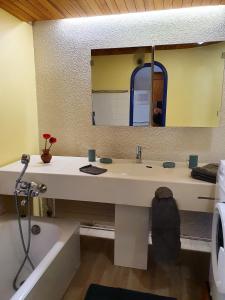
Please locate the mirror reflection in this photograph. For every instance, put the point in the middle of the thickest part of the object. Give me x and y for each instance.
(158, 96)
(121, 86)
(194, 78)
(185, 89)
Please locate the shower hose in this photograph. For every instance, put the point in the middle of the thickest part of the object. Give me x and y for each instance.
(26, 247)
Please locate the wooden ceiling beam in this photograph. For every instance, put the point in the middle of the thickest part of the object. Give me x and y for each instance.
(112, 6)
(61, 5)
(84, 5)
(177, 3)
(158, 4)
(215, 2)
(37, 10)
(196, 3)
(206, 2)
(167, 4)
(15, 11)
(50, 9)
(131, 5)
(103, 7)
(36, 6)
(28, 8)
(121, 4)
(95, 7)
(187, 3)
(76, 7)
(149, 5)
(140, 5)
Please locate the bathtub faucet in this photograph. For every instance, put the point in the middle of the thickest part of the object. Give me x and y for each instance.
(32, 189)
(25, 188)
(37, 188)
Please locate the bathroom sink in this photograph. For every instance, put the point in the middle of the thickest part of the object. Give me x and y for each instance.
(126, 182)
(149, 170)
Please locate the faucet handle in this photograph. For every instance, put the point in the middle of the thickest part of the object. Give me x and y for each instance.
(138, 148)
(138, 153)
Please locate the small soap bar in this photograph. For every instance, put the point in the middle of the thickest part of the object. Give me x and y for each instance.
(169, 164)
(105, 160)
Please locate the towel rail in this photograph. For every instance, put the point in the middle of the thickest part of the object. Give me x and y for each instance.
(206, 198)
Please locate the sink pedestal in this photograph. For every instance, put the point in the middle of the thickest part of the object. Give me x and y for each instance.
(131, 236)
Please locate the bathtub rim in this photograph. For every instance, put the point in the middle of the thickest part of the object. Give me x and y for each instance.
(67, 227)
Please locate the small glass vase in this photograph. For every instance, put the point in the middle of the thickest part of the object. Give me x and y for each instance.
(46, 156)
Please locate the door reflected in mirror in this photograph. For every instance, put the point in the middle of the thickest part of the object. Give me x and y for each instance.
(141, 95)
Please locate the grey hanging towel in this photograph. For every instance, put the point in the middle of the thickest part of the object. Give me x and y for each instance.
(165, 227)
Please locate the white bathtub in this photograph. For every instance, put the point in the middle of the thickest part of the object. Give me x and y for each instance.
(55, 253)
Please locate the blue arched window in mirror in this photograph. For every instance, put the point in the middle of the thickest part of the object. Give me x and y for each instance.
(140, 95)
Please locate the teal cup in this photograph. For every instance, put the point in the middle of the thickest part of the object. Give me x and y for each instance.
(91, 155)
(193, 161)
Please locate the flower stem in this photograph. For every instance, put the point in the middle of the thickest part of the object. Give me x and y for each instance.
(45, 143)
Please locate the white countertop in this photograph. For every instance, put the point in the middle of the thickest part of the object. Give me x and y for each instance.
(120, 169)
(125, 182)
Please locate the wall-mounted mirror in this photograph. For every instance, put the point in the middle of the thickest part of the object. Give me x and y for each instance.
(187, 85)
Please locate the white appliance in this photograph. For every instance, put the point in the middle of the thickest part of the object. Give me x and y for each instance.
(217, 272)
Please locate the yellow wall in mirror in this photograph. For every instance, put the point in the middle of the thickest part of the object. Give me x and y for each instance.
(195, 77)
(113, 72)
(18, 105)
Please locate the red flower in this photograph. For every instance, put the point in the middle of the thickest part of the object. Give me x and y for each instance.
(46, 136)
(52, 140)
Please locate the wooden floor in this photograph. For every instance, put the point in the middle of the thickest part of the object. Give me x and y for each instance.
(185, 281)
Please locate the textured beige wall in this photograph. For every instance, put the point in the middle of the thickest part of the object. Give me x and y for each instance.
(63, 72)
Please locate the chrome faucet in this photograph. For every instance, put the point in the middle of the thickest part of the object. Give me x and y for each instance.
(25, 188)
(138, 154)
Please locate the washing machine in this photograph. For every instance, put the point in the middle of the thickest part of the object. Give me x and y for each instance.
(217, 270)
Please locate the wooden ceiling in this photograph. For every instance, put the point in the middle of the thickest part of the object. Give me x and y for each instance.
(37, 10)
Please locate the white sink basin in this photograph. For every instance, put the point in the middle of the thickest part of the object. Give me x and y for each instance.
(149, 170)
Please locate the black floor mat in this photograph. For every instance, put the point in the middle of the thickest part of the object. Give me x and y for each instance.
(99, 292)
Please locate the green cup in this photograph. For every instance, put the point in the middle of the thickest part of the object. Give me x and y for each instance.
(193, 161)
(91, 155)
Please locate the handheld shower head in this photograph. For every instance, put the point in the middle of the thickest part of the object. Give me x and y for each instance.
(25, 159)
